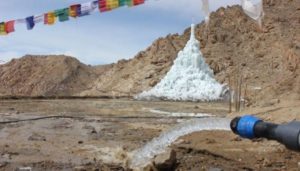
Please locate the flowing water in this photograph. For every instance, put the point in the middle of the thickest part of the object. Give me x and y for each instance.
(142, 157)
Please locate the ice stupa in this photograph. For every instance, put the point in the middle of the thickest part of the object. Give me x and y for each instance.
(189, 79)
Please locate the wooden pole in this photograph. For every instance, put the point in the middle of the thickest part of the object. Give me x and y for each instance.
(236, 92)
(245, 96)
(240, 92)
(230, 95)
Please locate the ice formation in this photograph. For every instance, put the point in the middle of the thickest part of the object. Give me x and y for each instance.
(142, 157)
(189, 79)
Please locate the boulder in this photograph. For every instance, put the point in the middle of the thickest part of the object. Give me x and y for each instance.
(166, 160)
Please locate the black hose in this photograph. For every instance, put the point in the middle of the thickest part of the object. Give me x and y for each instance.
(251, 127)
(105, 117)
(40, 118)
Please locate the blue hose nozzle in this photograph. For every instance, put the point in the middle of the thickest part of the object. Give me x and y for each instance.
(252, 127)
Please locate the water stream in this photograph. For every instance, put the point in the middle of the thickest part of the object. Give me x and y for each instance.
(143, 156)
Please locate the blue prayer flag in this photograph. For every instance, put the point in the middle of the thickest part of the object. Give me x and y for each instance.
(30, 22)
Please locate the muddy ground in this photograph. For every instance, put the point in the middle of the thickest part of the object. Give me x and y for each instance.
(94, 134)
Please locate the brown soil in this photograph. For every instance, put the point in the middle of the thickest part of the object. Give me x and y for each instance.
(223, 150)
(46, 76)
(102, 133)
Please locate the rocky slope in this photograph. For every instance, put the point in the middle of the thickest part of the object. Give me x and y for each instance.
(234, 46)
(45, 76)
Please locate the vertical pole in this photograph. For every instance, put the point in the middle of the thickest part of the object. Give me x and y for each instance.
(230, 95)
(240, 92)
(245, 96)
(272, 65)
(236, 92)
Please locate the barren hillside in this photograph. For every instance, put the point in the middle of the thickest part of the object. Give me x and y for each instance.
(232, 44)
(45, 76)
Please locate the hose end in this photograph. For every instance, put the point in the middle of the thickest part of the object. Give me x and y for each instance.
(234, 124)
(244, 126)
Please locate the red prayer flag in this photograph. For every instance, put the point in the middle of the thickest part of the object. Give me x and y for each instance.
(103, 6)
(10, 26)
(138, 2)
(74, 10)
(46, 18)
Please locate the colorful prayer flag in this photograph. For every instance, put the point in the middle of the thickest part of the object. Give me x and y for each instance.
(138, 2)
(74, 10)
(87, 8)
(49, 18)
(122, 3)
(2, 29)
(107, 5)
(30, 22)
(112, 4)
(103, 6)
(10, 26)
(62, 14)
(129, 3)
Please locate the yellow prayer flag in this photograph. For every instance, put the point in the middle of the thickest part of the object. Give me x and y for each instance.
(112, 4)
(50, 18)
(2, 29)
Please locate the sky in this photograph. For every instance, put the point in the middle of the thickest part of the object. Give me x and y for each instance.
(99, 38)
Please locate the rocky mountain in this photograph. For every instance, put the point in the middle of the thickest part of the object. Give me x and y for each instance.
(266, 59)
(46, 76)
(234, 46)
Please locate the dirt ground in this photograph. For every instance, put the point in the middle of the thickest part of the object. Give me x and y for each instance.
(95, 134)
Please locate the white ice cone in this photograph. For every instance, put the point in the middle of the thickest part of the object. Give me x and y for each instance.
(189, 79)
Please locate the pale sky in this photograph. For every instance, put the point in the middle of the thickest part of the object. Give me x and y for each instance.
(100, 38)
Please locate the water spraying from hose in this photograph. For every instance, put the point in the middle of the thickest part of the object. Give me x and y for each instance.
(142, 157)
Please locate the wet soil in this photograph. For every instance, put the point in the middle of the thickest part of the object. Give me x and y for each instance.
(93, 134)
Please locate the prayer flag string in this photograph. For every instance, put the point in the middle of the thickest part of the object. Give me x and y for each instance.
(62, 15)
